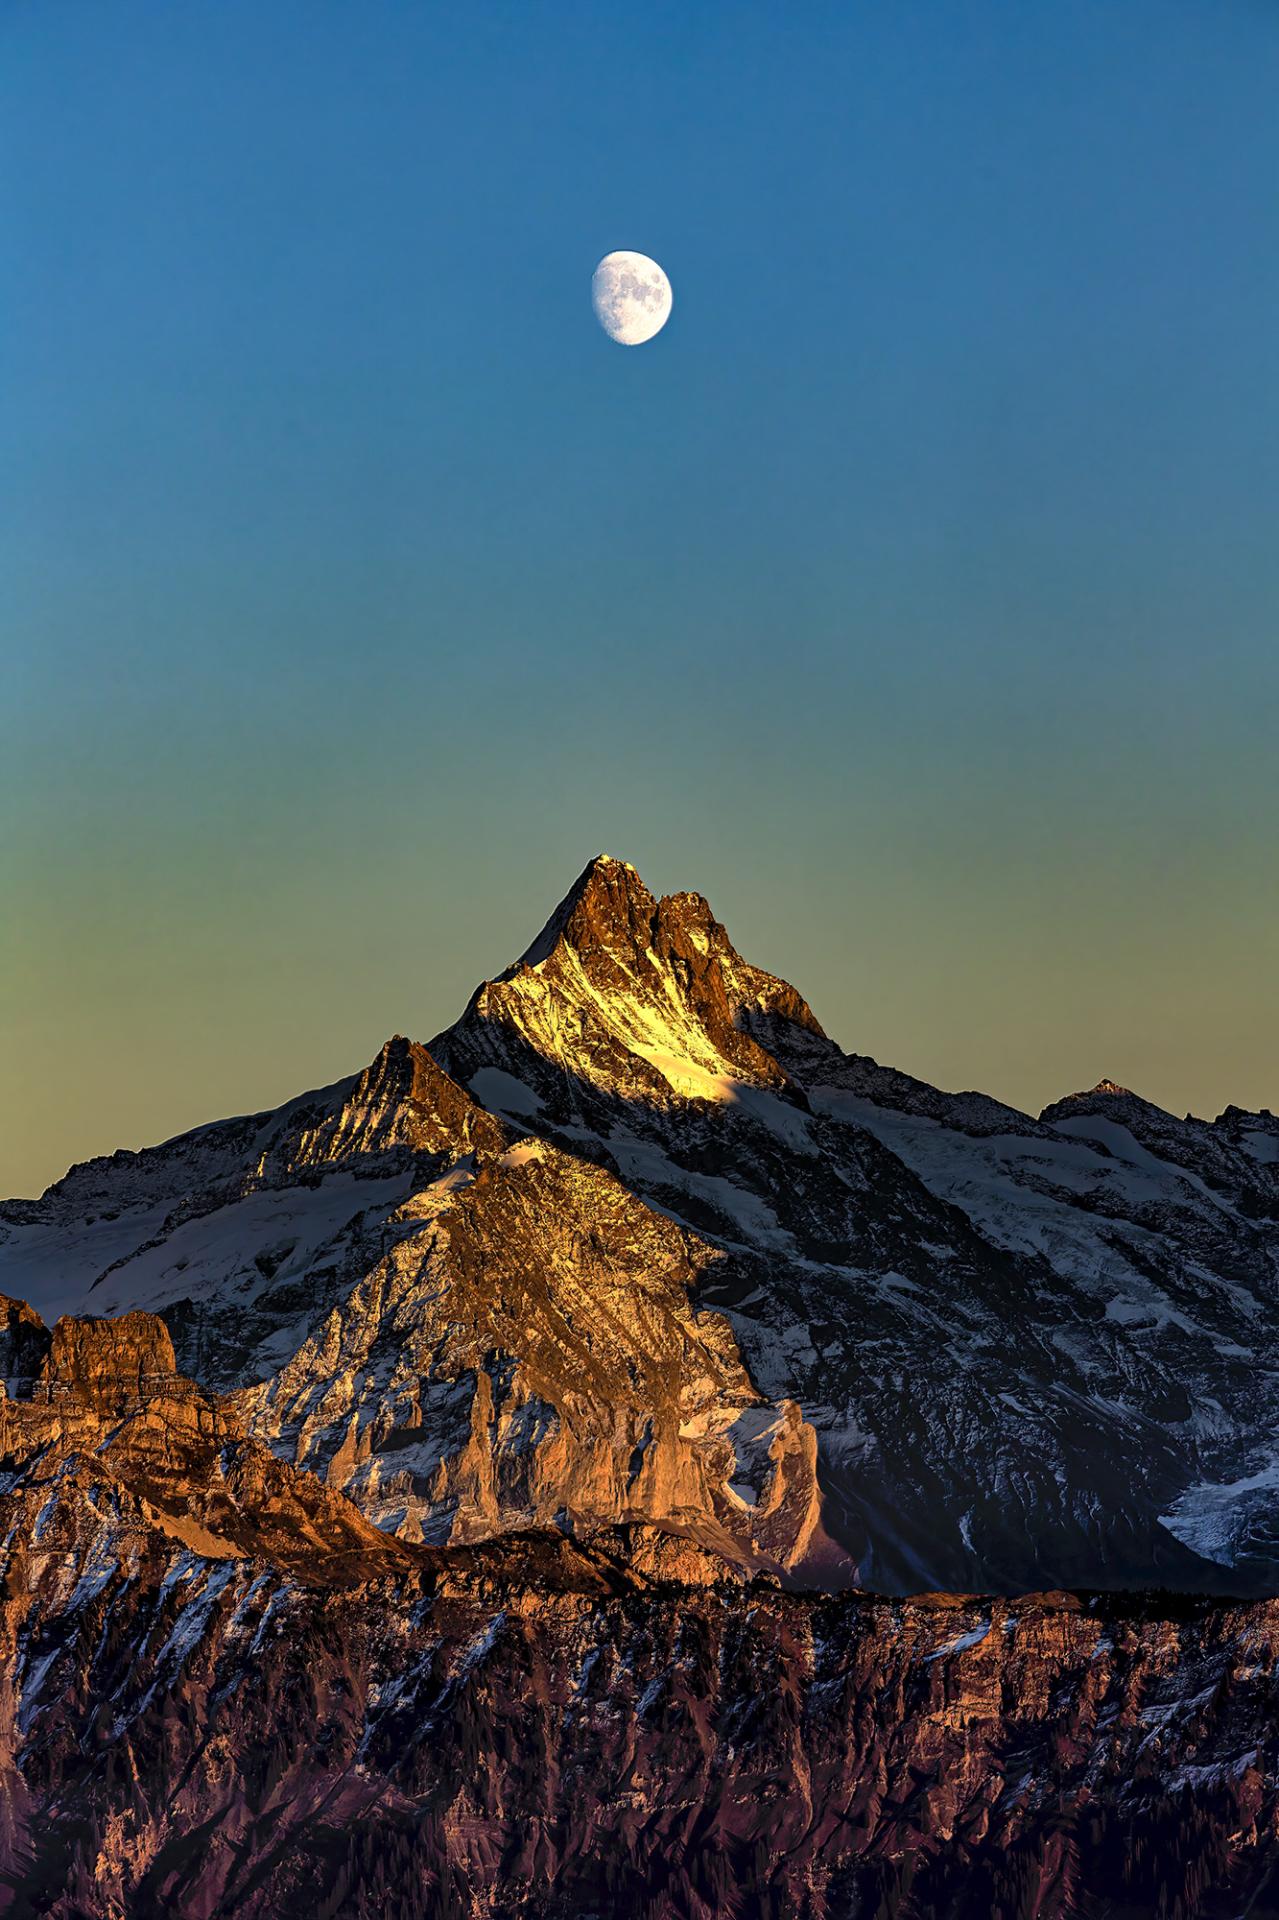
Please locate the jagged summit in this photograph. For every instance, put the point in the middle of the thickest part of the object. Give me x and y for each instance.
(1106, 1097)
(403, 1102)
(607, 897)
(1242, 1122)
(624, 995)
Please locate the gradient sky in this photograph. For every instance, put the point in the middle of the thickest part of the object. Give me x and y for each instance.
(914, 595)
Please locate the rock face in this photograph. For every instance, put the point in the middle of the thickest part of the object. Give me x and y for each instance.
(225, 1694)
(622, 1001)
(108, 1445)
(471, 1331)
(526, 1354)
(635, 1243)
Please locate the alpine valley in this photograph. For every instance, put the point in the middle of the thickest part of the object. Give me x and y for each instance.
(495, 1484)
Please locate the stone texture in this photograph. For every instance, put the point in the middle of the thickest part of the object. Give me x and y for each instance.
(540, 1728)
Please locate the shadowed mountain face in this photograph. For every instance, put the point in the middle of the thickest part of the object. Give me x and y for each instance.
(634, 1242)
(226, 1694)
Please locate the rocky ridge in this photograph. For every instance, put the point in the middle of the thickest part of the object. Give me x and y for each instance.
(635, 1241)
(226, 1695)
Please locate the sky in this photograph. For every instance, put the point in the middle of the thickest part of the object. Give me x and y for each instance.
(914, 594)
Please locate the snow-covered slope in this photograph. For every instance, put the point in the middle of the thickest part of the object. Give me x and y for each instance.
(635, 1239)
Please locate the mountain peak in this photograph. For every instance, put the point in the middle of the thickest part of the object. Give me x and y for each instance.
(403, 1102)
(1109, 1101)
(1088, 1099)
(625, 992)
(608, 900)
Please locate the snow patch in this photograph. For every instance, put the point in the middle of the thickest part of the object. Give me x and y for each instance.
(1262, 1146)
(961, 1643)
(522, 1152)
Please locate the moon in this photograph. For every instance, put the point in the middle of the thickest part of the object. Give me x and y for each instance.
(632, 297)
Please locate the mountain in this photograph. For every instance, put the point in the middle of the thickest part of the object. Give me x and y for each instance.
(226, 1696)
(634, 1242)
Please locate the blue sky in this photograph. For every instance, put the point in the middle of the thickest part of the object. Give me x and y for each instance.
(914, 594)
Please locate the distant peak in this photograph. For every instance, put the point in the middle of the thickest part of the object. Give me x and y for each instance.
(1088, 1101)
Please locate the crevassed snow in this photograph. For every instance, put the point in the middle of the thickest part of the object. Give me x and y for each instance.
(1020, 1193)
(1120, 1141)
(1262, 1146)
(212, 1253)
(1209, 1518)
(1125, 1146)
(1148, 1311)
(53, 1265)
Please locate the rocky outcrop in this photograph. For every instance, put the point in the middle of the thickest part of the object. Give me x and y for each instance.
(401, 1104)
(223, 1693)
(114, 1366)
(24, 1342)
(108, 1445)
(527, 1354)
(532, 1727)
